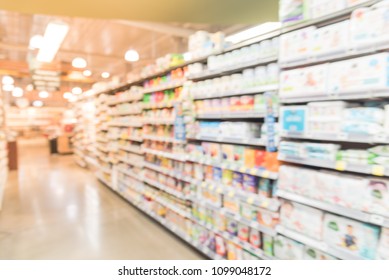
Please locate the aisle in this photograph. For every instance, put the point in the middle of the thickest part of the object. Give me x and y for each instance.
(55, 210)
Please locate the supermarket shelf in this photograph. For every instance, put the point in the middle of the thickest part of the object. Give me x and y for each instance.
(129, 138)
(173, 207)
(159, 105)
(138, 177)
(341, 137)
(341, 254)
(254, 90)
(376, 170)
(271, 204)
(102, 148)
(124, 100)
(126, 113)
(332, 97)
(102, 140)
(157, 121)
(163, 139)
(327, 19)
(131, 149)
(173, 85)
(131, 162)
(135, 124)
(232, 69)
(165, 154)
(340, 210)
(104, 181)
(218, 139)
(91, 161)
(168, 172)
(260, 172)
(104, 169)
(165, 188)
(233, 115)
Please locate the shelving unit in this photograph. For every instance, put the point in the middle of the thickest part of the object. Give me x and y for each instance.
(3, 150)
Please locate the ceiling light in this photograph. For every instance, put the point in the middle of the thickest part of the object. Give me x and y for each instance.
(67, 95)
(77, 90)
(72, 99)
(87, 73)
(30, 87)
(253, 32)
(131, 55)
(79, 62)
(105, 75)
(36, 42)
(8, 87)
(43, 94)
(37, 103)
(7, 80)
(17, 92)
(54, 35)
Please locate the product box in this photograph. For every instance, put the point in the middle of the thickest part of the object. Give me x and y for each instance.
(291, 11)
(235, 104)
(376, 197)
(248, 211)
(268, 244)
(314, 254)
(383, 246)
(287, 249)
(243, 232)
(293, 119)
(255, 238)
(249, 157)
(232, 227)
(221, 249)
(232, 204)
(320, 8)
(231, 251)
(246, 103)
(302, 219)
(239, 155)
(208, 172)
(259, 158)
(227, 177)
(267, 218)
(237, 180)
(354, 237)
(250, 183)
(216, 153)
(264, 188)
(296, 45)
(217, 174)
(228, 152)
(367, 73)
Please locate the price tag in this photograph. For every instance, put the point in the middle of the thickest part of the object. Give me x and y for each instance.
(342, 136)
(340, 166)
(250, 200)
(378, 170)
(377, 220)
(231, 193)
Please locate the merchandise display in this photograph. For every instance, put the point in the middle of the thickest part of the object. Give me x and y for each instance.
(3, 151)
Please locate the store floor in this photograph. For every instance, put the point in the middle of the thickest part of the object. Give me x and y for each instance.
(54, 209)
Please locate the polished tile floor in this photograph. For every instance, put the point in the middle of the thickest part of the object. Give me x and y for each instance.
(54, 209)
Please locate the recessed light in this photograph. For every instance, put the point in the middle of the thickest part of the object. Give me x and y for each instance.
(67, 95)
(105, 75)
(79, 62)
(76, 90)
(8, 87)
(37, 103)
(131, 55)
(7, 80)
(87, 73)
(43, 94)
(17, 92)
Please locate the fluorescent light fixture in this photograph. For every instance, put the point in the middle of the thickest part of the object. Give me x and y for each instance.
(131, 55)
(37, 103)
(8, 87)
(54, 35)
(7, 80)
(36, 42)
(253, 32)
(105, 75)
(43, 94)
(30, 87)
(87, 73)
(67, 95)
(76, 90)
(17, 92)
(79, 62)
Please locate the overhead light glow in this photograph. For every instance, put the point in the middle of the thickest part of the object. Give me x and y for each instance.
(37, 103)
(30, 87)
(253, 32)
(105, 75)
(72, 99)
(43, 94)
(79, 62)
(54, 35)
(76, 90)
(8, 87)
(67, 95)
(17, 92)
(131, 55)
(7, 80)
(87, 73)
(36, 42)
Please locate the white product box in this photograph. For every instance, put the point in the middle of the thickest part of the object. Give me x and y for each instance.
(296, 45)
(368, 73)
(306, 182)
(314, 254)
(376, 197)
(304, 82)
(331, 39)
(302, 219)
(351, 236)
(319, 8)
(287, 178)
(383, 246)
(287, 249)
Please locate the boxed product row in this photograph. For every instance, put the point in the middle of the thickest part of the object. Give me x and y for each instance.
(127, 120)
(237, 104)
(354, 237)
(129, 157)
(334, 118)
(243, 232)
(377, 155)
(160, 97)
(126, 108)
(165, 131)
(176, 75)
(366, 28)
(133, 94)
(165, 113)
(203, 43)
(232, 130)
(242, 156)
(248, 79)
(162, 63)
(358, 75)
(370, 195)
(123, 133)
(169, 182)
(160, 146)
(292, 11)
